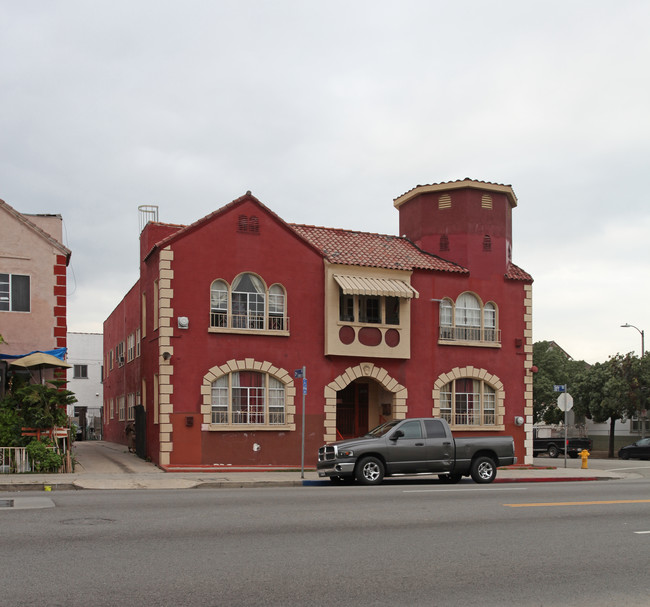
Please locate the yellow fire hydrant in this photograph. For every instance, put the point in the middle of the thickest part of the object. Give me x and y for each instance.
(584, 454)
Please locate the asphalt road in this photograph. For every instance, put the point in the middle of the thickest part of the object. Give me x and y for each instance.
(398, 544)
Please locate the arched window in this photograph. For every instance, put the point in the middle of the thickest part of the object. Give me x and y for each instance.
(468, 319)
(490, 322)
(276, 308)
(219, 304)
(248, 398)
(248, 302)
(248, 305)
(468, 402)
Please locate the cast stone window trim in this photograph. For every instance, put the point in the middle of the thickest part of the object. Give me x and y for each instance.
(468, 321)
(248, 305)
(470, 399)
(248, 395)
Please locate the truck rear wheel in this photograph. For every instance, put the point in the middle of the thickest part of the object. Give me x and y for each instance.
(553, 451)
(483, 470)
(370, 471)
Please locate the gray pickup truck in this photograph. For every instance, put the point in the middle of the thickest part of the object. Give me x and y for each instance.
(415, 446)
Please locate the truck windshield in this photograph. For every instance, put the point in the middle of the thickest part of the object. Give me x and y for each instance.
(384, 428)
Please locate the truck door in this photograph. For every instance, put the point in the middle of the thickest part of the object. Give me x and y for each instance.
(439, 446)
(407, 454)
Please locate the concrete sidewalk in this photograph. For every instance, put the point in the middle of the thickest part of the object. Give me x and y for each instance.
(104, 465)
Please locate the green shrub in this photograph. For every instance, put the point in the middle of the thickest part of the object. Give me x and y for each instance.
(43, 456)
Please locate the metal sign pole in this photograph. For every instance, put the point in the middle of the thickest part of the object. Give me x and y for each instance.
(302, 373)
(566, 436)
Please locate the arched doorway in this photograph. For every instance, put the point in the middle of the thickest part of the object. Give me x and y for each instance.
(352, 410)
(385, 399)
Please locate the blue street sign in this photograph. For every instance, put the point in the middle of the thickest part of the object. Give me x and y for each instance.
(559, 388)
(304, 385)
(297, 373)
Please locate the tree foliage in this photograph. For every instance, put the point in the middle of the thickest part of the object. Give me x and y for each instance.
(615, 390)
(39, 406)
(554, 367)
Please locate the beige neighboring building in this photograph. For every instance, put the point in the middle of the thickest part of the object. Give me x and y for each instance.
(33, 283)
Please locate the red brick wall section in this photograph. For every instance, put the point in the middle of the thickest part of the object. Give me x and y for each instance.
(60, 307)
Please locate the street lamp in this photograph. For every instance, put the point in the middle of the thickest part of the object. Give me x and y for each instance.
(625, 326)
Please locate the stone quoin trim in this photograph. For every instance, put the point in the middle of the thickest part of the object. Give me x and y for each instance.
(473, 373)
(248, 364)
(166, 368)
(528, 374)
(366, 369)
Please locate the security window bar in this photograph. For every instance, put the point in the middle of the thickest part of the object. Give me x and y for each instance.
(248, 305)
(468, 402)
(248, 398)
(466, 320)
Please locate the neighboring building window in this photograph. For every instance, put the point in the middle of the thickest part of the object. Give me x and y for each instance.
(248, 305)
(14, 293)
(138, 339)
(80, 372)
(248, 398)
(370, 309)
(468, 402)
(467, 319)
(110, 360)
(119, 354)
(130, 406)
(120, 408)
(130, 347)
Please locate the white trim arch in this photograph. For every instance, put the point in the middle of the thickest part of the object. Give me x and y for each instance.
(479, 374)
(248, 364)
(368, 370)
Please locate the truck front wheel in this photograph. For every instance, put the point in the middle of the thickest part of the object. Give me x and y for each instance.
(370, 471)
(484, 470)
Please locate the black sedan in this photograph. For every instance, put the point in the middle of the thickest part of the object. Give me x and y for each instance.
(640, 449)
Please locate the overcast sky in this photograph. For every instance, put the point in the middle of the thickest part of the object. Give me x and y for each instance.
(327, 111)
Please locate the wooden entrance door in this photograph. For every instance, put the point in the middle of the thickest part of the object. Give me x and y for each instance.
(352, 411)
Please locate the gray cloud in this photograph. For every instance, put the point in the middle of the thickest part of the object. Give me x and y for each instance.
(329, 110)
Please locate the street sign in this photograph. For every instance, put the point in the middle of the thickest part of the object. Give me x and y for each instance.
(297, 373)
(565, 401)
(557, 388)
(304, 385)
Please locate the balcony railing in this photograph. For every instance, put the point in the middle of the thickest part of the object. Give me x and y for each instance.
(488, 418)
(249, 321)
(475, 334)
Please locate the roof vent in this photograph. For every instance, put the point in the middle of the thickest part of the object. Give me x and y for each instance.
(486, 201)
(444, 202)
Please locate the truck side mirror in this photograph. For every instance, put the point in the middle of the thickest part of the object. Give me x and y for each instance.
(397, 434)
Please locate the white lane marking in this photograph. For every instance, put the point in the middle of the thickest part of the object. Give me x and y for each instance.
(641, 532)
(460, 490)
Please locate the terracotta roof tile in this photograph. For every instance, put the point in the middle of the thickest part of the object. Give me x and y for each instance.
(516, 273)
(373, 250)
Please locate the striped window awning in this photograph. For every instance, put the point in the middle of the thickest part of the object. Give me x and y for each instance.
(384, 287)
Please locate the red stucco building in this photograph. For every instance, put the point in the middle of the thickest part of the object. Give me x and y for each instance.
(202, 353)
